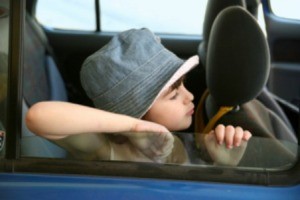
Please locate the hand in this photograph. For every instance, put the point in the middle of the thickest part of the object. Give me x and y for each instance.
(230, 135)
(153, 140)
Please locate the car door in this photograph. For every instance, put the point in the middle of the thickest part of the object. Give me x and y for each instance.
(283, 30)
(36, 177)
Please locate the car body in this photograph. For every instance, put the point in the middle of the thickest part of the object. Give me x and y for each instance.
(34, 175)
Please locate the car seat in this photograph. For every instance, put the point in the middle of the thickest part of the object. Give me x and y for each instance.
(214, 7)
(42, 81)
(237, 68)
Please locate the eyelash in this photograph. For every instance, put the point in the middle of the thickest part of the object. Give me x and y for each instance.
(174, 96)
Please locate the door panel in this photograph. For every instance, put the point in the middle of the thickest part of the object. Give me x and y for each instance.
(284, 41)
(284, 80)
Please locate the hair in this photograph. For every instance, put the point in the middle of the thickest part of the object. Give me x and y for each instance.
(178, 83)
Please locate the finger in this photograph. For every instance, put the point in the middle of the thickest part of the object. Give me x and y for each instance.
(145, 126)
(162, 140)
(220, 133)
(159, 155)
(152, 134)
(168, 142)
(162, 144)
(166, 152)
(238, 136)
(149, 153)
(158, 140)
(229, 134)
(247, 135)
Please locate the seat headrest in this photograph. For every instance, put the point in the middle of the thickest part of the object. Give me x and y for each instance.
(213, 8)
(238, 59)
(252, 7)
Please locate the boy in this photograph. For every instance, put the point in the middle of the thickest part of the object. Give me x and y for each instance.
(136, 84)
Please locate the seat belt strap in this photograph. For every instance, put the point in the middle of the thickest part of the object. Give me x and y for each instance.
(200, 126)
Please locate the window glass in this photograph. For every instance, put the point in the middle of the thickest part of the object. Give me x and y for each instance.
(181, 17)
(261, 19)
(67, 14)
(4, 24)
(119, 15)
(287, 9)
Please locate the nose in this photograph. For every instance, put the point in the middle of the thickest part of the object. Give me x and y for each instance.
(188, 96)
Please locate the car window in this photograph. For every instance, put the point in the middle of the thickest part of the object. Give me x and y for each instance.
(4, 24)
(58, 14)
(286, 9)
(120, 15)
(116, 16)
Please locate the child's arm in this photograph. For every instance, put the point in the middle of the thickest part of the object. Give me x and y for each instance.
(58, 120)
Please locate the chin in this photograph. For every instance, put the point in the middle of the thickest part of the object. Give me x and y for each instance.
(189, 123)
(180, 125)
(184, 126)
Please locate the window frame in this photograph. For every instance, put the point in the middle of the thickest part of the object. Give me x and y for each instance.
(14, 94)
(14, 163)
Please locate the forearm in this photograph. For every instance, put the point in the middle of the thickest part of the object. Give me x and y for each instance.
(56, 120)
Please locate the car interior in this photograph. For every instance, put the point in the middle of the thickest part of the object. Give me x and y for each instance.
(231, 61)
(212, 10)
(53, 58)
(45, 84)
(248, 75)
(224, 63)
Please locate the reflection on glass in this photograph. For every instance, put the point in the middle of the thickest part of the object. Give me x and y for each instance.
(258, 153)
(4, 30)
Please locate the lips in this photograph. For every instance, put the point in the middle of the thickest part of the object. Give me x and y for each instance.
(191, 111)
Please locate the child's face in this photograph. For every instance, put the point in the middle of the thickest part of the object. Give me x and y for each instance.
(173, 109)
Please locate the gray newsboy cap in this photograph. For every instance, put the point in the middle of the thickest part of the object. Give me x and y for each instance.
(127, 74)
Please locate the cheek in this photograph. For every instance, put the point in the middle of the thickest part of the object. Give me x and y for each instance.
(157, 114)
(160, 113)
(175, 118)
(171, 117)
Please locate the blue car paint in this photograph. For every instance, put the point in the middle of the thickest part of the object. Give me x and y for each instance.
(41, 186)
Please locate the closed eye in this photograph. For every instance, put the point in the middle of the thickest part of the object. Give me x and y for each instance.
(174, 95)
